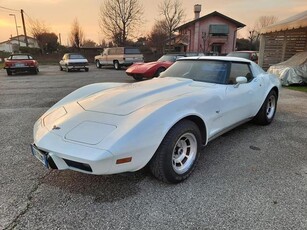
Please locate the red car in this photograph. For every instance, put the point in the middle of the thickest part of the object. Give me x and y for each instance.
(139, 71)
(20, 63)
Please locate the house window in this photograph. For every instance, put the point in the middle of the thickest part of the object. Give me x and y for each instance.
(218, 30)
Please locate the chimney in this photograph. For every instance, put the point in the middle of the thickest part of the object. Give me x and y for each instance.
(197, 9)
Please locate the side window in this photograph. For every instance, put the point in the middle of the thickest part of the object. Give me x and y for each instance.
(239, 70)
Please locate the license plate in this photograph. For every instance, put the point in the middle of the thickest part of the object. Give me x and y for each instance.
(39, 155)
(19, 65)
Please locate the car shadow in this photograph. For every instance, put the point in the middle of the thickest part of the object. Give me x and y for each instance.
(102, 188)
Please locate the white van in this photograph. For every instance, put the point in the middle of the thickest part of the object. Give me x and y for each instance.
(118, 56)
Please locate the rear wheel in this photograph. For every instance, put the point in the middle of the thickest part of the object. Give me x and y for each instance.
(116, 65)
(9, 72)
(86, 69)
(267, 111)
(61, 69)
(35, 71)
(177, 154)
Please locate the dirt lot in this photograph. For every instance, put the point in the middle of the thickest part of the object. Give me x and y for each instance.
(254, 177)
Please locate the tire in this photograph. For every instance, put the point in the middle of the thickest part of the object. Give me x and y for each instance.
(267, 111)
(61, 69)
(159, 71)
(178, 153)
(98, 65)
(67, 69)
(9, 72)
(86, 69)
(35, 71)
(116, 65)
(138, 78)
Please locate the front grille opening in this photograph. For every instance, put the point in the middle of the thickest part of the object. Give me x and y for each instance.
(78, 165)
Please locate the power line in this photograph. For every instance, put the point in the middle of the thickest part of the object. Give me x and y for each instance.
(5, 8)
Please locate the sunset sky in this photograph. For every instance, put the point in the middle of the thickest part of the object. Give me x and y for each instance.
(59, 14)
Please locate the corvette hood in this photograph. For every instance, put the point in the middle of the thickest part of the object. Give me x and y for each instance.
(126, 99)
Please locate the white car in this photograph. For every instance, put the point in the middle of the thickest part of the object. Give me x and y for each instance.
(109, 128)
(73, 61)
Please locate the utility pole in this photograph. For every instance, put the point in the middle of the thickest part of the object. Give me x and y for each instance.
(24, 28)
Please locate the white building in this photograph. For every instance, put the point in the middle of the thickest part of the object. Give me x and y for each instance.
(13, 43)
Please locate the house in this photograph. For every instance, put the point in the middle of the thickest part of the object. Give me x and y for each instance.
(282, 40)
(13, 44)
(213, 33)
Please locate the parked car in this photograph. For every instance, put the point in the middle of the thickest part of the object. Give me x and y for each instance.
(73, 61)
(292, 71)
(140, 71)
(118, 57)
(250, 55)
(17, 63)
(108, 128)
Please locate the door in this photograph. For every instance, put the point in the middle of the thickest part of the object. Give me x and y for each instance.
(240, 102)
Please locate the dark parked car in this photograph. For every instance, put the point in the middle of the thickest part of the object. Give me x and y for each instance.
(20, 63)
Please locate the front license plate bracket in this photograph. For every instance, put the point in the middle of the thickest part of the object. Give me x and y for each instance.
(42, 157)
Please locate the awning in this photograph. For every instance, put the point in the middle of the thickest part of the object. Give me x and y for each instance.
(295, 22)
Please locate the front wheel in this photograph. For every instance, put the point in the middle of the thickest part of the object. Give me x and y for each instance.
(177, 154)
(268, 109)
(137, 78)
(159, 71)
(98, 65)
(86, 69)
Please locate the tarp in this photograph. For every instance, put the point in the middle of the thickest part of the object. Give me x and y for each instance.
(293, 70)
(295, 22)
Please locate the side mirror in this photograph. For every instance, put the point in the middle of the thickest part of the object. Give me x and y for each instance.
(240, 80)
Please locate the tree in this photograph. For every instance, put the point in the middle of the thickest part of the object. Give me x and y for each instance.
(119, 18)
(261, 22)
(158, 36)
(47, 41)
(76, 36)
(88, 43)
(173, 14)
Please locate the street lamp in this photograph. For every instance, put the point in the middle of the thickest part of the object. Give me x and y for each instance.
(16, 28)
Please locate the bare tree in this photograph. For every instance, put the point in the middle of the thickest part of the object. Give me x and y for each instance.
(173, 14)
(264, 21)
(119, 18)
(38, 27)
(158, 36)
(76, 36)
(88, 43)
(261, 22)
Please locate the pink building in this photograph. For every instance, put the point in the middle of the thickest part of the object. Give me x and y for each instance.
(213, 33)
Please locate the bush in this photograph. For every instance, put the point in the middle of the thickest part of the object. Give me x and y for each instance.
(28, 50)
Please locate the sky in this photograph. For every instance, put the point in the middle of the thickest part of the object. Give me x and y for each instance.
(59, 15)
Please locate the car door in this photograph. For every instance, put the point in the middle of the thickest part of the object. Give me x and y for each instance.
(240, 100)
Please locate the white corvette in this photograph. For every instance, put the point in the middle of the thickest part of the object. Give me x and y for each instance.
(109, 128)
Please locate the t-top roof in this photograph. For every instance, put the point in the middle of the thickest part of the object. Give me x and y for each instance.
(295, 22)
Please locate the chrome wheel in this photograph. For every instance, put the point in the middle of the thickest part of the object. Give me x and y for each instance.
(184, 153)
(271, 106)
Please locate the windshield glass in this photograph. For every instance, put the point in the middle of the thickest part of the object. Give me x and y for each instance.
(171, 58)
(20, 57)
(132, 51)
(210, 71)
(239, 54)
(76, 56)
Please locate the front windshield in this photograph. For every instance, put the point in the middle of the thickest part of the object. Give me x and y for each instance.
(210, 71)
